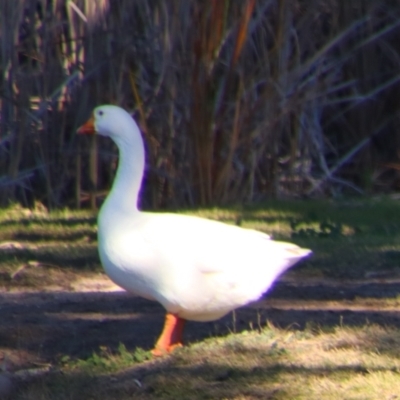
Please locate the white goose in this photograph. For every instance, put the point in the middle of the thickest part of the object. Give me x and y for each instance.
(198, 269)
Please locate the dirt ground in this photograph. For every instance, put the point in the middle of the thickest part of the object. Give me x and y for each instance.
(38, 328)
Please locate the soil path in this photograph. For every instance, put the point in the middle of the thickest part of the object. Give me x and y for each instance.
(38, 328)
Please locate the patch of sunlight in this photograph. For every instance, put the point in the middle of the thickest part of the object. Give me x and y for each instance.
(364, 385)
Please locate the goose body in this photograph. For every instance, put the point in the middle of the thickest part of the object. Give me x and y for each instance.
(198, 269)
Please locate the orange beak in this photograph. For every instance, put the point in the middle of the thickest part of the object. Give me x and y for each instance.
(87, 128)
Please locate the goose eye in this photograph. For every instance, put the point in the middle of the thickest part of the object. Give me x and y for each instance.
(100, 113)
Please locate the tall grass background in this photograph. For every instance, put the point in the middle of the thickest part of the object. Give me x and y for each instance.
(238, 100)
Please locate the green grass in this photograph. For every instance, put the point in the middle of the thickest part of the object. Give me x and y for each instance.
(350, 239)
(60, 243)
(106, 361)
(357, 239)
(345, 363)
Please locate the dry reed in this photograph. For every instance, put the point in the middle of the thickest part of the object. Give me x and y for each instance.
(238, 100)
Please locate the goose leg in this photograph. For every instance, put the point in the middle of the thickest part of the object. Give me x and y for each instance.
(171, 336)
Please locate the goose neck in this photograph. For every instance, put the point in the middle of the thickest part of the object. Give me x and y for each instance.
(125, 190)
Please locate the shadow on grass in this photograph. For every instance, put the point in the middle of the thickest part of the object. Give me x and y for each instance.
(51, 236)
(345, 291)
(76, 257)
(173, 379)
(77, 324)
(50, 221)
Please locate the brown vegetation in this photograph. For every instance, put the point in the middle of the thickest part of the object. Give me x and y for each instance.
(238, 100)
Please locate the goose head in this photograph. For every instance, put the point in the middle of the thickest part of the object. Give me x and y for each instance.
(114, 122)
(117, 124)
